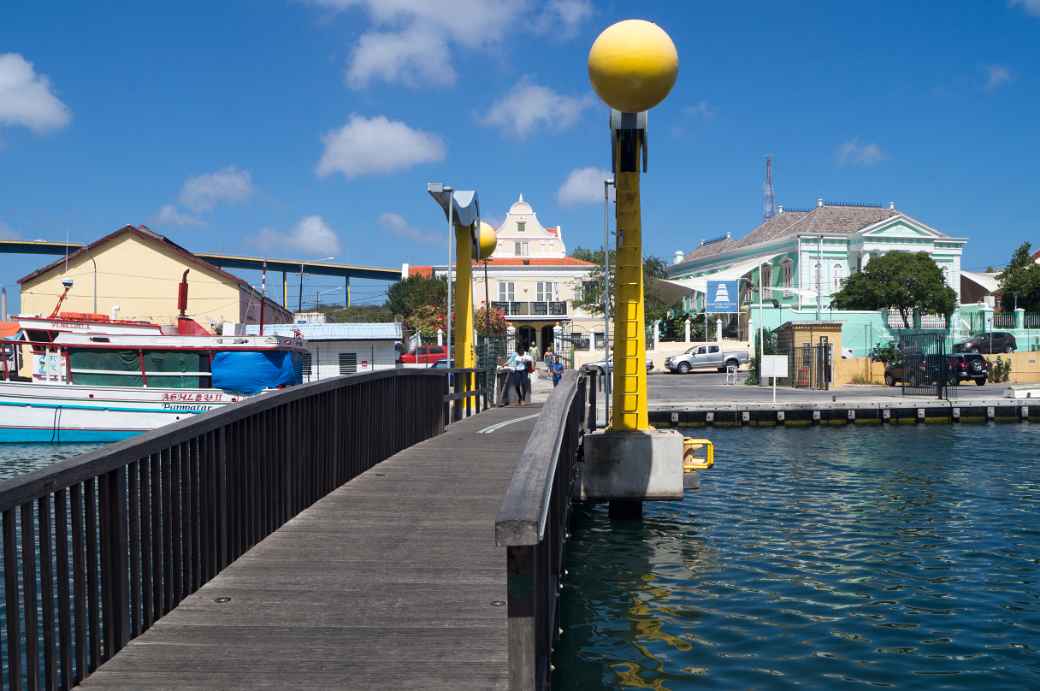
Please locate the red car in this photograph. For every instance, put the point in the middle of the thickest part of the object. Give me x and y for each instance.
(425, 355)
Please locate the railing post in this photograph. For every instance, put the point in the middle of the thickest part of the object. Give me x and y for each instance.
(521, 590)
(590, 425)
(116, 545)
(456, 409)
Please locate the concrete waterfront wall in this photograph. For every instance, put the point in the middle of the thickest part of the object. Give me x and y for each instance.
(849, 412)
(1025, 367)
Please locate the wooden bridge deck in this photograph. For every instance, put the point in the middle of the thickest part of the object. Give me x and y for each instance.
(391, 581)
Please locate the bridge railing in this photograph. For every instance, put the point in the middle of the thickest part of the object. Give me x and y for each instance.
(97, 548)
(532, 526)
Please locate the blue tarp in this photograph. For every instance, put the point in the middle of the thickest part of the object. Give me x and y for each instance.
(249, 372)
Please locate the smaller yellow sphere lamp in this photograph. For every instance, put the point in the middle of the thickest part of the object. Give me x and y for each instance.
(633, 65)
(487, 241)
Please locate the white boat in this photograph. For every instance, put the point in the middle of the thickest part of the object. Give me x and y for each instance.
(87, 378)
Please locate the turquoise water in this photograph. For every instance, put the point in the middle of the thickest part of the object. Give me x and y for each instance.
(16, 459)
(819, 558)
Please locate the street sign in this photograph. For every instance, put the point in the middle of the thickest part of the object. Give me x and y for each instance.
(774, 366)
(722, 297)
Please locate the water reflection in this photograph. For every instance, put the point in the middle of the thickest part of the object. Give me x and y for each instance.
(902, 557)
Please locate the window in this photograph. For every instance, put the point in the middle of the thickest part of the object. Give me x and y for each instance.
(767, 275)
(787, 273)
(700, 350)
(713, 349)
(347, 363)
(546, 291)
(598, 341)
(520, 225)
(837, 276)
(520, 248)
(817, 275)
(506, 291)
(590, 291)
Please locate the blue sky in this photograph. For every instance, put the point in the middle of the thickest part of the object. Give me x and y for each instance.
(310, 127)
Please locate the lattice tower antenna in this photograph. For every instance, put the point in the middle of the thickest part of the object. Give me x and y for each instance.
(768, 198)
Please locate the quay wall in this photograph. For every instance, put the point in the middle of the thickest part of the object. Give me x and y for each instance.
(848, 412)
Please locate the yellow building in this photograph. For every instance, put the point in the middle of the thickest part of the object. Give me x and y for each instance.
(133, 273)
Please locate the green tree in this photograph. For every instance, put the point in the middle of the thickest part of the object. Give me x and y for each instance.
(590, 291)
(902, 281)
(405, 297)
(426, 320)
(499, 325)
(1020, 281)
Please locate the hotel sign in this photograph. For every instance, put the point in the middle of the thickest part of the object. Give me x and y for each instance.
(722, 297)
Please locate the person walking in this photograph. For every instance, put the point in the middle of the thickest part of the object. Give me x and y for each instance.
(520, 365)
(557, 369)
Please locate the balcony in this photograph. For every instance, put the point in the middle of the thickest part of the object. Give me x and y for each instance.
(532, 310)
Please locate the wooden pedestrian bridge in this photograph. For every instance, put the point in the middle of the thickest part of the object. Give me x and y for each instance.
(368, 531)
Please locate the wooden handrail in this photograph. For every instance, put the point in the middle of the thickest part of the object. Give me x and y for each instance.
(521, 518)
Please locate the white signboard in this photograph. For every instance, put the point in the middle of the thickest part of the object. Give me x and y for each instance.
(774, 366)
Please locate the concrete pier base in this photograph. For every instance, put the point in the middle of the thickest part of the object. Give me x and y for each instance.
(632, 466)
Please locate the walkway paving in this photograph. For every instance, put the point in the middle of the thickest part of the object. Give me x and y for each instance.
(392, 581)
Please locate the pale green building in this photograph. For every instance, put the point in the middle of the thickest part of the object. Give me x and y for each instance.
(805, 255)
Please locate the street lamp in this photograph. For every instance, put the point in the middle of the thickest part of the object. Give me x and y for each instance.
(633, 64)
(462, 209)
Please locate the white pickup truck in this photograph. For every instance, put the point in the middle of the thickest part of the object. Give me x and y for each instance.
(708, 356)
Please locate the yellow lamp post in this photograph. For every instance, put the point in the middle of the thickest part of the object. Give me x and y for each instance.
(632, 66)
(463, 211)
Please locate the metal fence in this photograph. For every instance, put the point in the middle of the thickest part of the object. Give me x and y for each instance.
(811, 366)
(99, 547)
(532, 526)
(925, 365)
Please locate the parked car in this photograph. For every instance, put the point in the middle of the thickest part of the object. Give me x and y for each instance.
(603, 367)
(443, 363)
(958, 367)
(425, 355)
(705, 357)
(993, 342)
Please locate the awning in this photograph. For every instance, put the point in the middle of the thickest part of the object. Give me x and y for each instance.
(986, 281)
(8, 329)
(700, 283)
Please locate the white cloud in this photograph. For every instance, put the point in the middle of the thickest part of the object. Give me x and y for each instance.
(377, 145)
(1030, 6)
(206, 191)
(855, 153)
(470, 22)
(414, 57)
(998, 76)
(7, 232)
(26, 98)
(528, 106)
(562, 17)
(701, 109)
(583, 186)
(396, 225)
(412, 40)
(170, 215)
(310, 236)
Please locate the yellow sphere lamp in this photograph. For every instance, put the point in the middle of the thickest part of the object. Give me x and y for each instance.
(487, 240)
(633, 65)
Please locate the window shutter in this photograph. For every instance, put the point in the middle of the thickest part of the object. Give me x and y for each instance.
(347, 363)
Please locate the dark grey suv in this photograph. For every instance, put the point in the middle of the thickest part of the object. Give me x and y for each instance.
(993, 342)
